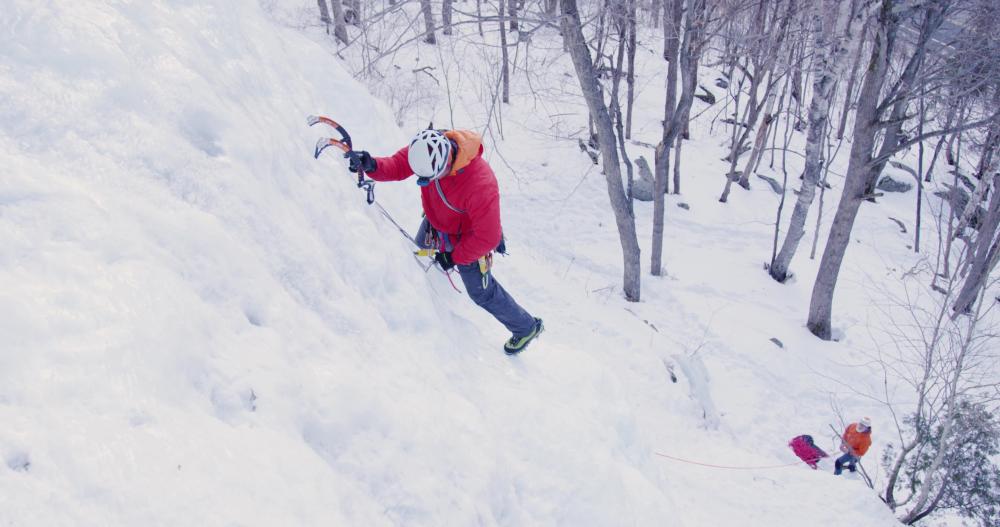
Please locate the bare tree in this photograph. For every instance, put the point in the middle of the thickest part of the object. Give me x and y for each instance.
(876, 114)
(985, 253)
(755, 54)
(446, 16)
(684, 54)
(946, 436)
(582, 62)
(425, 8)
(832, 22)
(504, 57)
(630, 78)
(671, 28)
(479, 17)
(852, 81)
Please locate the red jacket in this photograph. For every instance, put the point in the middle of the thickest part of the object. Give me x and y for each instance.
(470, 187)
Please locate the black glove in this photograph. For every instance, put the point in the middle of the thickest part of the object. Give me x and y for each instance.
(359, 159)
(444, 260)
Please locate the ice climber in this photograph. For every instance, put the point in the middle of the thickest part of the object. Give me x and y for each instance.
(461, 202)
(856, 440)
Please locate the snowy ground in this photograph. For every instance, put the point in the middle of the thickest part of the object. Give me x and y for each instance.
(203, 325)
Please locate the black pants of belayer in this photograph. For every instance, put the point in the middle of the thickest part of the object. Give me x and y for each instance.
(484, 290)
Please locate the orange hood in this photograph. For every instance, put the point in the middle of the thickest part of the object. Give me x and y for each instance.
(470, 145)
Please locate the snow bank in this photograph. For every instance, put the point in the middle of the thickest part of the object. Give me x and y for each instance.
(191, 307)
(203, 325)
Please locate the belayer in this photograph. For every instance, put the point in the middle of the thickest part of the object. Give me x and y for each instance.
(461, 202)
(854, 444)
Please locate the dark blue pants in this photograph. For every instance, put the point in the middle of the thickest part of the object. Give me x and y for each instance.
(848, 460)
(485, 291)
(488, 294)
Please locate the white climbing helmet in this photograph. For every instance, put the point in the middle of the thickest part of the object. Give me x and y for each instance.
(864, 424)
(430, 154)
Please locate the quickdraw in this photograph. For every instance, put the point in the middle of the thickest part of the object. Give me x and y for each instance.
(485, 264)
(345, 144)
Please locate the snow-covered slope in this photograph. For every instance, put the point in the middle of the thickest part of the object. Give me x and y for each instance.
(200, 324)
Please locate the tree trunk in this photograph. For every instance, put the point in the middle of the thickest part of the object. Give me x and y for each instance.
(738, 137)
(504, 58)
(551, 6)
(759, 140)
(849, 93)
(826, 70)
(324, 14)
(937, 150)
(479, 16)
(630, 79)
(573, 33)
(946, 259)
(784, 170)
(512, 6)
(690, 53)
(677, 159)
(446, 16)
(671, 27)
(425, 7)
(984, 253)
(858, 174)
(919, 175)
(355, 20)
(339, 25)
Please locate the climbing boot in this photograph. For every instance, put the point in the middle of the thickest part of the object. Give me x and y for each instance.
(515, 344)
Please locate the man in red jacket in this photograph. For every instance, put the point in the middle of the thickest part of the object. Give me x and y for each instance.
(461, 203)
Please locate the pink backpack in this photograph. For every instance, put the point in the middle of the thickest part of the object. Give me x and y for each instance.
(807, 451)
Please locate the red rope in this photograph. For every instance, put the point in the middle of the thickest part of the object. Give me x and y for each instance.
(724, 466)
(452, 282)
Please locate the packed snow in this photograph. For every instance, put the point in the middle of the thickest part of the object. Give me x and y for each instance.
(203, 325)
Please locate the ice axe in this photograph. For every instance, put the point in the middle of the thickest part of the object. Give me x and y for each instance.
(345, 144)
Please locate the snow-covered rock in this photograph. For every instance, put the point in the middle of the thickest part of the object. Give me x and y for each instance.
(891, 184)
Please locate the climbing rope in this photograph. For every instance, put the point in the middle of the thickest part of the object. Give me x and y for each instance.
(725, 466)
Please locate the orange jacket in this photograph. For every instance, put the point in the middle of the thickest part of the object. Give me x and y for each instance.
(858, 441)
